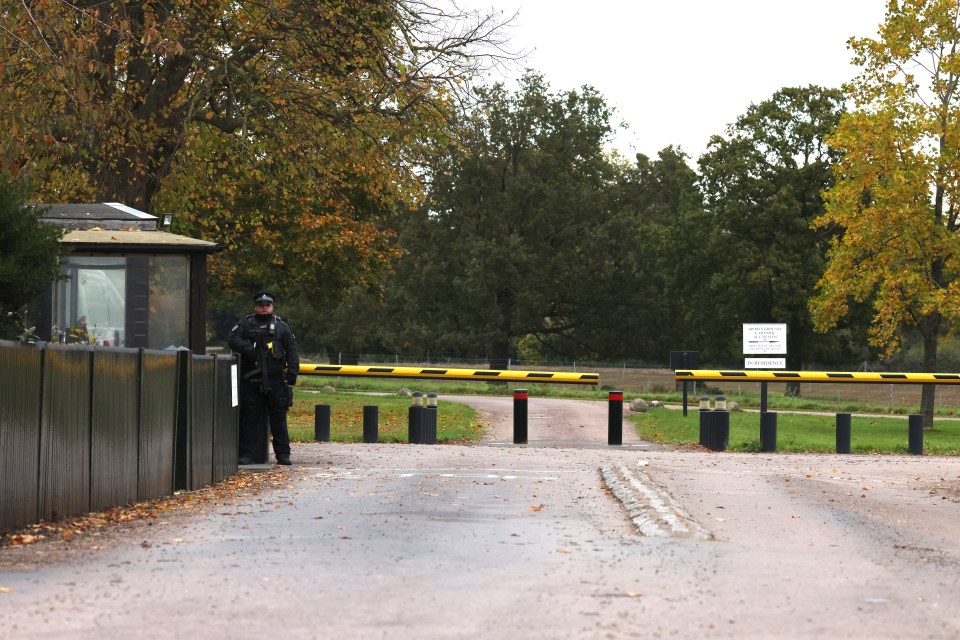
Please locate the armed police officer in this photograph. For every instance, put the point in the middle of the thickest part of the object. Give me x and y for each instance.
(269, 364)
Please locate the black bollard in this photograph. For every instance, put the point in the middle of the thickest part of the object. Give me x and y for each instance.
(915, 442)
(415, 419)
(615, 418)
(719, 436)
(430, 420)
(704, 419)
(321, 423)
(371, 428)
(721, 430)
(520, 416)
(768, 432)
(843, 433)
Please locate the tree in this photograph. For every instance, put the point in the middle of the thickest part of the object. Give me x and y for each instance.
(644, 266)
(897, 187)
(286, 130)
(762, 187)
(508, 244)
(29, 256)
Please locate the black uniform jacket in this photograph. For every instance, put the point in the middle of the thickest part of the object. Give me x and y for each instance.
(271, 335)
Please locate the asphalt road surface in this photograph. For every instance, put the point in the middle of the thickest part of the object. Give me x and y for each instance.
(566, 537)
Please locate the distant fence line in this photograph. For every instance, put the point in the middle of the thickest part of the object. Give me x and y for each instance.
(85, 428)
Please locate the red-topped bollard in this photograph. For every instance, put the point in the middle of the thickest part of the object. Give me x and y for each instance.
(520, 416)
(615, 421)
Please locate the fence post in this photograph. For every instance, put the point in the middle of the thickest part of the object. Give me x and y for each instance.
(615, 418)
(371, 428)
(321, 423)
(915, 441)
(520, 416)
(843, 433)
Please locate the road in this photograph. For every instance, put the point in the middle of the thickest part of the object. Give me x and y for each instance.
(548, 540)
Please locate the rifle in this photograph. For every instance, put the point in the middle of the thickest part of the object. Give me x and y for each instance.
(264, 334)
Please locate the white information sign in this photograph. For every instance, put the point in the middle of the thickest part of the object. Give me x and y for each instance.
(765, 363)
(234, 395)
(763, 339)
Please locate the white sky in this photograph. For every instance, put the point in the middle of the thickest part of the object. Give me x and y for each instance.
(679, 71)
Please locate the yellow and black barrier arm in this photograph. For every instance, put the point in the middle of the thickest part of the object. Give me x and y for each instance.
(721, 375)
(446, 373)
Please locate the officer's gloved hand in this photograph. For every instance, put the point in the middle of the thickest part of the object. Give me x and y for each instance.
(291, 378)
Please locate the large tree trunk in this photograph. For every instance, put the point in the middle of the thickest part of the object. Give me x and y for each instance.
(930, 329)
(500, 355)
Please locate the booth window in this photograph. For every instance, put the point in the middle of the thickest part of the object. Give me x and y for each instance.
(89, 304)
(123, 301)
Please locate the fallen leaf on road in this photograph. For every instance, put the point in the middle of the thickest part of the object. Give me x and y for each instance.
(720, 519)
(634, 594)
(537, 508)
(5, 589)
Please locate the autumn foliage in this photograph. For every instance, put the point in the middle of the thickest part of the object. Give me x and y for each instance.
(898, 182)
(288, 131)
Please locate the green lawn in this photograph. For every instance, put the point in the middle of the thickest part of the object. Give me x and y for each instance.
(798, 432)
(455, 422)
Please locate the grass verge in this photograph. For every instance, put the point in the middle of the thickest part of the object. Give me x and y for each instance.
(800, 432)
(455, 422)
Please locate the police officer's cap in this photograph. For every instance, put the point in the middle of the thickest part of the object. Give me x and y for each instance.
(264, 297)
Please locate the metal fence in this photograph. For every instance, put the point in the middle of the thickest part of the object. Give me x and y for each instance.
(85, 428)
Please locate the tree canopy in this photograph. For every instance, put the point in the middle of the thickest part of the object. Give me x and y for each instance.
(286, 130)
(897, 186)
(29, 254)
(762, 184)
(507, 244)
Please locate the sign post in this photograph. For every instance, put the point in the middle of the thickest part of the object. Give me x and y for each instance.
(766, 339)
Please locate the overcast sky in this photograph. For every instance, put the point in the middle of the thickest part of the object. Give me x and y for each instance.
(680, 71)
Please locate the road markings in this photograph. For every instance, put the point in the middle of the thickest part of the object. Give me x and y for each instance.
(486, 474)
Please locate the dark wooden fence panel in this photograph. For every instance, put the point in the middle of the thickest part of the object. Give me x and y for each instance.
(65, 432)
(158, 421)
(115, 428)
(21, 372)
(201, 421)
(226, 444)
(85, 428)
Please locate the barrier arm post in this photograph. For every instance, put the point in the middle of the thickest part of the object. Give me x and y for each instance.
(684, 398)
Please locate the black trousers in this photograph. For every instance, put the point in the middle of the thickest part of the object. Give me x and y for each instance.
(253, 404)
